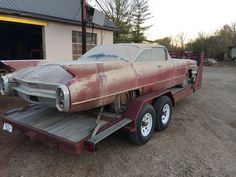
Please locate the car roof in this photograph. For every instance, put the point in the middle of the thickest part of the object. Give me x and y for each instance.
(138, 45)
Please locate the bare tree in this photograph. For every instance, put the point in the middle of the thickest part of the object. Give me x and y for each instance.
(181, 39)
(202, 35)
(129, 16)
(166, 41)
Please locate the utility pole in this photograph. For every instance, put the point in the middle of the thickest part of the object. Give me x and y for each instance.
(83, 16)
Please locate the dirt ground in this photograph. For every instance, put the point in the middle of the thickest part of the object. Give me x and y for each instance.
(201, 141)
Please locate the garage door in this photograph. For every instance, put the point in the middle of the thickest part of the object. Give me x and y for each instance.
(21, 38)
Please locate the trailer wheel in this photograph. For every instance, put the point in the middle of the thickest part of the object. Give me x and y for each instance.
(163, 109)
(145, 125)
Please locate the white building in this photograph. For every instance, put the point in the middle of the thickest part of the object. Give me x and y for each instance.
(47, 29)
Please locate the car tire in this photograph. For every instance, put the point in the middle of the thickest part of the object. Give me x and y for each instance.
(145, 124)
(163, 108)
(117, 106)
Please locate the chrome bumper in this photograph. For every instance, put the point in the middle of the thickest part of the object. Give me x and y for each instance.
(38, 96)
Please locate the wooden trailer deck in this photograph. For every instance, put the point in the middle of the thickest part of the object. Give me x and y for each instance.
(71, 126)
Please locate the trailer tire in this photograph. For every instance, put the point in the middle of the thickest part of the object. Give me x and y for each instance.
(163, 108)
(145, 124)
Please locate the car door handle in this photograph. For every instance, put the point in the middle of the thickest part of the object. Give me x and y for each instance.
(159, 66)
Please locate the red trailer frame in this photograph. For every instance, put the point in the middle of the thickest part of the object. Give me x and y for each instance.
(126, 122)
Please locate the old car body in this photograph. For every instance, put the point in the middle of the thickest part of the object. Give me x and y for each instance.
(99, 77)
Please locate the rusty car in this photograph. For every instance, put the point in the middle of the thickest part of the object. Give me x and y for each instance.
(109, 75)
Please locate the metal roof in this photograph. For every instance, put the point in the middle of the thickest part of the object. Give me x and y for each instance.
(58, 10)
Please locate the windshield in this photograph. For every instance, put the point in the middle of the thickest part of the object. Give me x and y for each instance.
(111, 53)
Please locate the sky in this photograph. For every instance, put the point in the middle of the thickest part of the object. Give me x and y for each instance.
(171, 17)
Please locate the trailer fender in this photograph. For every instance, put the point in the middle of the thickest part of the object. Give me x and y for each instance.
(170, 95)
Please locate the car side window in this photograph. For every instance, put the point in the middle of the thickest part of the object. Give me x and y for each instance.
(144, 56)
(159, 54)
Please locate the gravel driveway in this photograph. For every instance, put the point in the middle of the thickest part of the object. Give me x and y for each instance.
(201, 141)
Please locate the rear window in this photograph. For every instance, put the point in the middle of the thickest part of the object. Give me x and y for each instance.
(110, 53)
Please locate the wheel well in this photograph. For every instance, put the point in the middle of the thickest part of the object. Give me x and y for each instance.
(169, 94)
(137, 92)
(190, 73)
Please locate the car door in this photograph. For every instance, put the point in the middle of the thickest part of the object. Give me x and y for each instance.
(179, 70)
(146, 71)
(166, 68)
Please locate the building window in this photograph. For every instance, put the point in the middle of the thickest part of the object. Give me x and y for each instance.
(77, 43)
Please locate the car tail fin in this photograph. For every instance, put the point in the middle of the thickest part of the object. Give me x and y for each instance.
(16, 65)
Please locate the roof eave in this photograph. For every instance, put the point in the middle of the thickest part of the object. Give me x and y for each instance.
(49, 18)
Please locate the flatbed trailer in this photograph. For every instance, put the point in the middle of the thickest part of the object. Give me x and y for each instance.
(73, 132)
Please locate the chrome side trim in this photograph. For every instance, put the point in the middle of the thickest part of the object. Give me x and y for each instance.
(76, 103)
